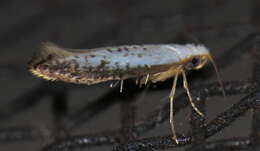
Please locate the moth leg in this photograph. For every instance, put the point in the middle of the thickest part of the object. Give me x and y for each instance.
(147, 78)
(121, 86)
(162, 76)
(136, 81)
(185, 85)
(112, 85)
(171, 108)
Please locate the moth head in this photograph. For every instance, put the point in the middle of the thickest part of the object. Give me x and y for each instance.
(196, 62)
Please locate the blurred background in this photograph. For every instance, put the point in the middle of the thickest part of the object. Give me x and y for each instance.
(219, 24)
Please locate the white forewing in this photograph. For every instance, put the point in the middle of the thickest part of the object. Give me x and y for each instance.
(185, 51)
(139, 56)
(122, 57)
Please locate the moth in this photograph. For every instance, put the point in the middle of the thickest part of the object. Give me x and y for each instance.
(148, 62)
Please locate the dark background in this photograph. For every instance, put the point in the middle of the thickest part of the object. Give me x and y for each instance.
(219, 24)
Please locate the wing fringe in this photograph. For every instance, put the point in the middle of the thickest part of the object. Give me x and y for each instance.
(48, 51)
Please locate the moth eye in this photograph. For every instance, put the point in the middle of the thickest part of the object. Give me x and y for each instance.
(195, 61)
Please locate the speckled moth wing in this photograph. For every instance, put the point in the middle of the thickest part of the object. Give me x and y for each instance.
(100, 64)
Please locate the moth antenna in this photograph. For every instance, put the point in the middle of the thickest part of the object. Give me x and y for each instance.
(218, 75)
